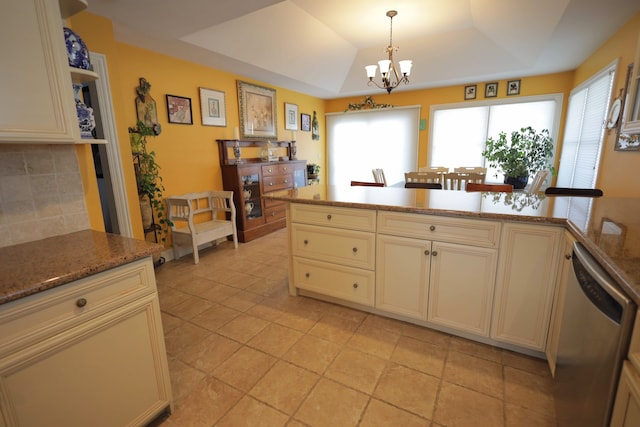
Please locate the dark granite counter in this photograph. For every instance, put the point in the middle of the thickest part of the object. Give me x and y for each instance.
(32, 267)
(608, 227)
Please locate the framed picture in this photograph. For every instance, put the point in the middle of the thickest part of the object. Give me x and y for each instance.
(491, 90)
(213, 107)
(290, 116)
(470, 92)
(305, 122)
(179, 109)
(513, 87)
(257, 106)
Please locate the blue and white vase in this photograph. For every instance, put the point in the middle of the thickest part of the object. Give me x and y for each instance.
(77, 51)
(86, 119)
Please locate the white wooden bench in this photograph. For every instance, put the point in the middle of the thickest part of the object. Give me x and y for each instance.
(219, 221)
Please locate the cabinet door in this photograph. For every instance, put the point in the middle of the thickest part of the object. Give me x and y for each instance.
(626, 410)
(402, 272)
(35, 85)
(525, 284)
(558, 301)
(461, 287)
(110, 371)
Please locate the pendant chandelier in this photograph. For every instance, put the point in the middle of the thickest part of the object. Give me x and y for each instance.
(391, 78)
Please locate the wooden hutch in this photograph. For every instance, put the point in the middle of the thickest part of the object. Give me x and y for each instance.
(257, 168)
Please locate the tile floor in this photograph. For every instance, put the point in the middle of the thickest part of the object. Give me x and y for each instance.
(242, 352)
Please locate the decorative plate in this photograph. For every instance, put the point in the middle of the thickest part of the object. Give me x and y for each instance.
(76, 50)
(614, 113)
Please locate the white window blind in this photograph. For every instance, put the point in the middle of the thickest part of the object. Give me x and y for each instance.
(363, 140)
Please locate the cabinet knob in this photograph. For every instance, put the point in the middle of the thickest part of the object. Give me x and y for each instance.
(355, 250)
(81, 302)
(284, 168)
(329, 216)
(426, 252)
(271, 183)
(432, 228)
(306, 242)
(270, 170)
(567, 256)
(434, 253)
(355, 286)
(286, 181)
(273, 214)
(307, 275)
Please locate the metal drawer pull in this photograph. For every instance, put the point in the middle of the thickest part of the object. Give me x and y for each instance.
(306, 242)
(434, 253)
(432, 228)
(307, 275)
(567, 256)
(355, 250)
(81, 302)
(286, 181)
(355, 286)
(270, 170)
(329, 216)
(426, 252)
(271, 183)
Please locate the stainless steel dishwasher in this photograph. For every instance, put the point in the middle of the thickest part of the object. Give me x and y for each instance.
(594, 339)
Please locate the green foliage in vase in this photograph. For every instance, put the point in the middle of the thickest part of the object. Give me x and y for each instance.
(148, 178)
(524, 154)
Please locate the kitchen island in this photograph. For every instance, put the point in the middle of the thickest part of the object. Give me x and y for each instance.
(81, 340)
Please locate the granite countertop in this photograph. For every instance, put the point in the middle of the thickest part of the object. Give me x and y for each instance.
(33, 267)
(608, 227)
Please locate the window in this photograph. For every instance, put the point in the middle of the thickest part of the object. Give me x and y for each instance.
(360, 141)
(459, 133)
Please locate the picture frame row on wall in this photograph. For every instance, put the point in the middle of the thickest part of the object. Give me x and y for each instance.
(491, 90)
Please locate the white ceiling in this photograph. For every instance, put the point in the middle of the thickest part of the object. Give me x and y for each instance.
(320, 47)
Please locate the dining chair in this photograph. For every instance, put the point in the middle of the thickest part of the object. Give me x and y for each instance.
(366, 184)
(438, 169)
(425, 185)
(459, 180)
(580, 192)
(410, 177)
(503, 188)
(378, 176)
(538, 180)
(470, 169)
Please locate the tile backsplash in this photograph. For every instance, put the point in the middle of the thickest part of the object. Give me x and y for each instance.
(41, 193)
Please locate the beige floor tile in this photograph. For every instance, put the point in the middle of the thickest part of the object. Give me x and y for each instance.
(408, 389)
(475, 373)
(242, 301)
(267, 310)
(285, 387)
(210, 353)
(170, 297)
(196, 285)
(170, 322)
(334, 328)
(374, 341)
(220, 293)
(379, 322)
(420, 355)
(190, 307)
(431, 336)
(521, 417)
(206, 404)
(242, 328)
(381, 414)
(184, 336)
(460, 407)
(356, 369)
(299, 318)
(529, 391)
(332, 405)
(476, 349)
(215, 317)
(244, 368)
(275, 339)
(184, 378)
(312, 353)
(526, 363)
(346, 312)
(252, 413)
(268, 287)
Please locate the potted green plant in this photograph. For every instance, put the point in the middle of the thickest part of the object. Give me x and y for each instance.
(149, 182)
(313, 170)
(521, 156)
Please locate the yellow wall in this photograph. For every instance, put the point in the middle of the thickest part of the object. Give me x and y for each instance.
(187, 154)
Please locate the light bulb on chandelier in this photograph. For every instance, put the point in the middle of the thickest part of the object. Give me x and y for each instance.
(389, 71)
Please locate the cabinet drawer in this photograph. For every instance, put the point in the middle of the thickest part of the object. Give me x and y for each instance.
(347, 247)
(268, 170)
(275, 213)
(354, 219)
(350, 284)
(36, 316)
(455, 230)
(277, 182)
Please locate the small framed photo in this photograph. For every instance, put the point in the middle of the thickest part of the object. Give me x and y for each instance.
(179, 109)
(290, 116)
(213, 107)
(470, 92)
(513, 87)
(491, 90)
(305, 122)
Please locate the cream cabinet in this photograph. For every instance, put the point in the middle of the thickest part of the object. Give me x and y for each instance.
(446, 280)
(527, 268)
(87, 353)
(566, 255)
(626, 409)
(333, 252)
(37, 95)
